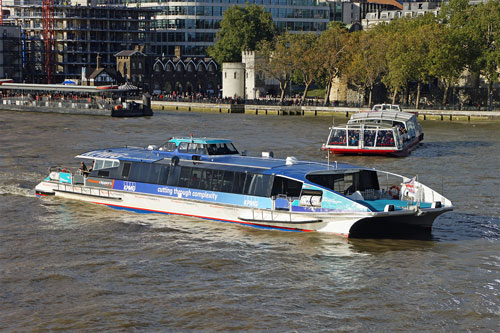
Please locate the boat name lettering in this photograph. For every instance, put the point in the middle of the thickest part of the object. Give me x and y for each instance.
(129, 186)
(166, 190)
(104, 155)
(251, 203)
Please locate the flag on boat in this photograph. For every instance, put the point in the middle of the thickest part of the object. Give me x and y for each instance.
(410, 185)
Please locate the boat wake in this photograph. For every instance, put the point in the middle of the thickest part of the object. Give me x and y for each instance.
(17, 189)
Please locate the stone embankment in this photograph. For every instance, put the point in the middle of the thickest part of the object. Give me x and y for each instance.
(273, 110)
(317, 110)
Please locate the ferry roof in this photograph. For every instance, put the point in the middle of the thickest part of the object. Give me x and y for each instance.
(298, 169)
(383, 115)
(198, 140)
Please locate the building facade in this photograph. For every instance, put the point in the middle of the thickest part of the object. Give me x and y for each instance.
(82, 30)
(192, 25)
(409, 9)
(10, 53)
(184, 75)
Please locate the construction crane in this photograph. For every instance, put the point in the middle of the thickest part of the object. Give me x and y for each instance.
(48, 38)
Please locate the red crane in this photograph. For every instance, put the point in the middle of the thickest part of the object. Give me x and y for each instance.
(48, 38)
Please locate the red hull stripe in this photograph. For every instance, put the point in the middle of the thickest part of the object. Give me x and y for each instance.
(209, 218)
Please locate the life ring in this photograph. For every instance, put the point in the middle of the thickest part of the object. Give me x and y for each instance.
(64, 170)
(394, 192)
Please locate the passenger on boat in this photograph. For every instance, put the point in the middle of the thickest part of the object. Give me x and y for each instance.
(83, 169)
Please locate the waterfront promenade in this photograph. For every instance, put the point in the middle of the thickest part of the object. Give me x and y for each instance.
(307, 110)
(97, 109)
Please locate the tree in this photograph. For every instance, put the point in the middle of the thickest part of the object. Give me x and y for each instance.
(277, 60)
(488, 25)
(331, 55)
(242, 28)
(304, 51)
(367, 54)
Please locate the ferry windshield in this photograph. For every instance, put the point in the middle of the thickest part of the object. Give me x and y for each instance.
(221, 149)
(347, 183)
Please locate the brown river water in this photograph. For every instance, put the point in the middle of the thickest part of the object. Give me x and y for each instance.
(68, 265)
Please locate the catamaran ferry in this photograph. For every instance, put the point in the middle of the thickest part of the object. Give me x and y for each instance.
(210, 179)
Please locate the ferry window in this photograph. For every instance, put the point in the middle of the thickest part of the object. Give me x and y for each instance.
(192, 148)
(126, 170)
(173, 175)
(260, 185)
(216, 183)
(185, 176)
(369, 138)
(107, 164)
(212, 149)
(353, 137)
(202, 149)
(239, 183)
(288, 187)
(139, 172)
(162, 180)
(385, 138)
(183, 147)
(98, 164)
(154, 173)
(170, 146)
(337, 137)
(195, 178)
(103, 173)
(227, 181)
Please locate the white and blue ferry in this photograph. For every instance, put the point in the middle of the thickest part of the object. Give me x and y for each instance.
(209, 179)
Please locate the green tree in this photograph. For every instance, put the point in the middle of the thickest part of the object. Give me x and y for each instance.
(277, 60)
(332, 56)
(304, 51)
(488, 25)
(242, 28)
(367, 54)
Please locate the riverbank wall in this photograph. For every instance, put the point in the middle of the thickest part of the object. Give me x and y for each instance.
(317, 111)
(269, 110)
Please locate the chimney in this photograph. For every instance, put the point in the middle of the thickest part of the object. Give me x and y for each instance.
(178, 51)
(98, 61)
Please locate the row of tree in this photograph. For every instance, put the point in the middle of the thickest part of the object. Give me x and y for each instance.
(462, 38)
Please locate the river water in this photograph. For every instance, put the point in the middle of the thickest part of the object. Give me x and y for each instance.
(67, 265)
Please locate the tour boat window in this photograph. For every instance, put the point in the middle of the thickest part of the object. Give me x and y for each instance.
(353, 138)
(103, 173)
(337, 137)
(369, 138)
(385, 138)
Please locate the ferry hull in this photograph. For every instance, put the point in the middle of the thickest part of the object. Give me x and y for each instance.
(342, 224)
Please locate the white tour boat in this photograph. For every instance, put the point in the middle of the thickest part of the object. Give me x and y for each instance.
(387, 132)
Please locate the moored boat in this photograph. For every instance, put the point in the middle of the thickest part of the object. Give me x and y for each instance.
(392, 133)
(208, 178)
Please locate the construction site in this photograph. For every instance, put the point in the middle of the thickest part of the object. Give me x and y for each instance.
(61, 39)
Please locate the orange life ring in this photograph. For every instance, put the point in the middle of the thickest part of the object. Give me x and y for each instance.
(394, 192)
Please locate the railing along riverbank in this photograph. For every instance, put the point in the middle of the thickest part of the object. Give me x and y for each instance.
(316, 110)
